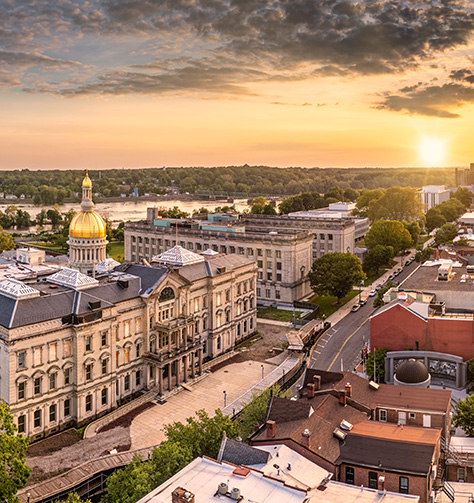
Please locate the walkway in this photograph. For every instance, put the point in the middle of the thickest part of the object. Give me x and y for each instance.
(226, 388)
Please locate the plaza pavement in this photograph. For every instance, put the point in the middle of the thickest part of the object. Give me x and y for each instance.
(235, 379)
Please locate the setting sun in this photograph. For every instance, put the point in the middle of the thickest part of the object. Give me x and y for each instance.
(432, 151)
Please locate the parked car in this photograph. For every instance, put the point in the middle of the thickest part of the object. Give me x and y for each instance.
(378, 287)
(373, 293)
(391, 277)
(396, 283)
(355, 308)
(362, 302)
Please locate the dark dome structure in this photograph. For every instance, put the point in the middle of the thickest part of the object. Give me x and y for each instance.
(412, 373)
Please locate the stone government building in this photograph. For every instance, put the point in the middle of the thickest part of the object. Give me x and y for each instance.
(283, 247)
(74, 346)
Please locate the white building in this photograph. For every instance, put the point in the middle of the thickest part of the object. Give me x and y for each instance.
(431, 195)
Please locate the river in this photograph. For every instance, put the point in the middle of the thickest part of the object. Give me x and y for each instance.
(135, 210)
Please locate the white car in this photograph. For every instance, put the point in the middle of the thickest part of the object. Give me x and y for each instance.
(372, 293)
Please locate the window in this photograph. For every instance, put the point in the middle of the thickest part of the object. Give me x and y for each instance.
(269, 264)
(383, 415)
(259, 292)
(267, 293)
(260, 263)
(269, 276)
(426, 421)
(21, 424)
(126, 328)
(373, 478)
(89, 372)
(461, 472)
(104, 365)
(268, 253)
(330, 237)
(204, 302)
(227, 316)
(21, 360)
(88, 403)
(196, 305)
(103, 339)
(218, 299)
(37, 419)
(21, 390)
(52, 413)
(241, 251)
(412, 415)
(322, 237)
(278, 254)
(138, 325)
(218, 343)
(138, 376)
(204, 323)
(127, 355)
(259, 252)
(37, 359)
(227, 295)
(67, 376)
(139, 349)
(88, 343)
(402, 418)
(238, 329)
(67, 348)
(53, 351)
(67, 407)
(259, 275)
(127, 383)
(279, 266)
(277, 294)
(349, 475)
(223, 249)
(403, 485)
(250, 252)
(37, 385)
(53, 380)
(103, 396)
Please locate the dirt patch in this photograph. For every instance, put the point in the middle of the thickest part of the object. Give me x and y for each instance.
(126, 420)
(272, 336)
(47, 466)
(53, 443)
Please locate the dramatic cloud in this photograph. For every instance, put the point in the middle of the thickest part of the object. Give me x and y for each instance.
(223, 46)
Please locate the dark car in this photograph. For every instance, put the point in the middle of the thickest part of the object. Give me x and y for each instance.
(355, 308)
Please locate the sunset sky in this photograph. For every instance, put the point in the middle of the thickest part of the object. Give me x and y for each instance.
(140, 83)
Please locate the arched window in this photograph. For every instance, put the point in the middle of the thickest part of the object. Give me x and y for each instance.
(166, 294)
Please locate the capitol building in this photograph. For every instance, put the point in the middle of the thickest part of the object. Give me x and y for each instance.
(79, 341)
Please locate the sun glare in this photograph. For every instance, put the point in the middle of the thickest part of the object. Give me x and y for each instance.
(432, 151)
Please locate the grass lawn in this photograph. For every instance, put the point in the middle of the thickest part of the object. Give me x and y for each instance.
(116, 250)
(272, 313)
(374, 277)
(327, 304)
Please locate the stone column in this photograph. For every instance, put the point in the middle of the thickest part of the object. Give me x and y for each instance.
(200, 361)
(177, 362)
(169, 376)
(159, 372)
(185, 365)
(193, 365)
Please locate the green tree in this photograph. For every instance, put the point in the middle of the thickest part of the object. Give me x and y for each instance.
(414, 229)
(367, 198)
(398, 203)
(261, 206)
(378, 256)
(463, 416)
(335, 193)
(6, 240)
(451, 210)
(129, 484)
(14, 472)
(421, 256)
(464, 195)
(74, 498)
(167, 460)
(336, 274)
(253, 413)
(380, 355)
(434, 219)
(202, 434)
(445, 234)
(351, 194)
(389, 233)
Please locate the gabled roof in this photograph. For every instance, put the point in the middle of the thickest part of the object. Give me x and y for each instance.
(72, 279)
(106, 265)
(239, 453)
(178, 256)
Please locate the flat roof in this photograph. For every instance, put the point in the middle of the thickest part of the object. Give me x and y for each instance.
(425, 278)
(391, 431)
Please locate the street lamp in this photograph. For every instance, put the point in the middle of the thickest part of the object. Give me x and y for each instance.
(263, 371)
(225, 399)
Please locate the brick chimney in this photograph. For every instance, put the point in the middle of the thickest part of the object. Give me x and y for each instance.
(317, 382)
(311, 390)
(348, 389)
(271, 428)
(305, 437)
(181, 495)
(342, 398)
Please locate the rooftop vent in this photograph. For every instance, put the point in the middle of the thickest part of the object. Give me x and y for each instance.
(345, 425)
(235, 494)
(221, 270)
(374, 385)
(339, 434)
(94, 304)
(123, 283)
(181, 495)
(222, 488)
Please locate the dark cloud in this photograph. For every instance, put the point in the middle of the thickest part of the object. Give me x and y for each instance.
(227, 44)
(429, 100)
(22, 59)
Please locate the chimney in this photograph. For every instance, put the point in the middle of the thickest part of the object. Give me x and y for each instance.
(271, 428)
(317, 382)
(311, 390)
(381, 483)
(305, 436)
(181, 495)
(348, 388)
(436, 254)
(342, 398)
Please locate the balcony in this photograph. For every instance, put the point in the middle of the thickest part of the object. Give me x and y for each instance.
(164, 356)
(174, 324)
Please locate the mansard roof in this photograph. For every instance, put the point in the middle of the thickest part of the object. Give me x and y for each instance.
(178, 256)
(72, 278)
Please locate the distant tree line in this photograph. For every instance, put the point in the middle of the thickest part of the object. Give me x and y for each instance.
(52, 187)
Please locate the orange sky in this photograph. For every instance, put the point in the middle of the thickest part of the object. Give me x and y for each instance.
(303, 83)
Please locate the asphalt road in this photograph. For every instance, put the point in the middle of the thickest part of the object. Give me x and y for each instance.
(341, 346)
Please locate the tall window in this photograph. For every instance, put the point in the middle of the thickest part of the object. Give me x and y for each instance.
(37, 385)
(103, 394)
(403, 485)
(349, 475)
(103, 339)
(383, 415)
(89, 372)
(67, 407)
(37, 419)
(53, 380)
(127, 355)
(21, 360)
(88, 343)
(21, 390)
(53, 352)
(373, 476)
(88, 403)
(138, 375)
(126, 383)
(104, 365)
(67, 347)
(67, 375)
(52, 413)
(21, 424)
(37, 360)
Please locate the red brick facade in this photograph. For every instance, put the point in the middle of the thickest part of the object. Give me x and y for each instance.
(398, 329)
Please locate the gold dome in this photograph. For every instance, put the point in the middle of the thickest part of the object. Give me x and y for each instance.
(87, 181)
(87, 224)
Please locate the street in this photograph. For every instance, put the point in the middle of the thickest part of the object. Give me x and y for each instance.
(341, 346)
